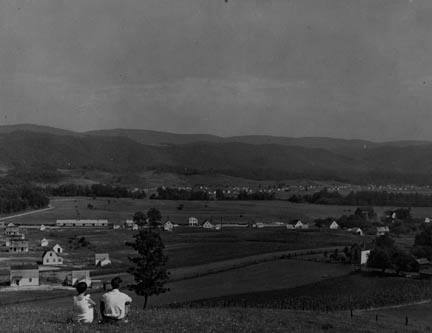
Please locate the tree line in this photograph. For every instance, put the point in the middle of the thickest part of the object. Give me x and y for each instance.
(95, 190)
(19, 197)
(365, 198)
(169, 193)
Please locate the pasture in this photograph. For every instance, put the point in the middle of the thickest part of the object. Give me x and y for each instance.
(118, 210)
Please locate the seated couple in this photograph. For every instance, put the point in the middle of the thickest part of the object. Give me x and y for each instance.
(114, 305)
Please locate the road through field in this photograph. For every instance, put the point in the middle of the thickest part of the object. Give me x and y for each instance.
(50, 207)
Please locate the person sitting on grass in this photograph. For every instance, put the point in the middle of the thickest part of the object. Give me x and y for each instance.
(83, 305)
(114, 305)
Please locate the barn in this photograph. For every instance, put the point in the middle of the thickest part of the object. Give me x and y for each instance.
(78, 276)
(12, 231)
(24, 275)
(51, 258)
(82, 223)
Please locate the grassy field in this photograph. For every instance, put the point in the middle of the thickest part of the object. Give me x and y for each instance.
(27, 318)
(340, 293)
(185, 247)
(118, 210)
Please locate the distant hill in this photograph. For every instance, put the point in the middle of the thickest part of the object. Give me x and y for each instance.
(247, 157)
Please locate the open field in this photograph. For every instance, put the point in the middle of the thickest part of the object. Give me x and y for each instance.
(118, 210)
(185, 247)
(50, 319)
(340, 293)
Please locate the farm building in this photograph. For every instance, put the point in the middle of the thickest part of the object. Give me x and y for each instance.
(18, 246)
(258, 225)
(116, 226)
(78, 276)
(57, 248)
(358, 231)
(129, 223)
(42, 228)
(12, 231)
(381, 231)
(334, 225)
(24, 275)
(193, 222)
(427, 220)
(208, 225)
(135, 226)
(51, 258)
(82, 223)
(44, 242)
(168, 226)
(102, 259)
(290, 226)
(218, 226)
(11, 225)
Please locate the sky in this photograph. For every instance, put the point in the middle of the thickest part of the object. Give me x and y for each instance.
(348, 69)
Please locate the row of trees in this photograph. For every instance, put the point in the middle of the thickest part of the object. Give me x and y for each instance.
(365, 198)
(95, 190)
(168, 193)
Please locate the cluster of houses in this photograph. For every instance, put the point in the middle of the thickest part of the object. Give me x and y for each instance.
(30, 275)
(14, 239)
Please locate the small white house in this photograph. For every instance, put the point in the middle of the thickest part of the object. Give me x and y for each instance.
(168, 226)
(427, 220)
(193, 222)
(42, 228)
(381, 231)
(218, 226)
(116, 226)
(208, 225)
(358, 231)
(301, 225)
(259, 225)
(57, 248)
(394, 216)
(129, 223)
(11, 225)
(135, 226)
(334, 225)
(290, 226)
(51, 258)
(44, 242)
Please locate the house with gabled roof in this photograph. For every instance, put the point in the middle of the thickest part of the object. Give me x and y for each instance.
(24, 275)
(51, 258)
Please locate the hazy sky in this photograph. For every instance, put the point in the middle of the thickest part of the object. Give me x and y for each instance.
(343, 68)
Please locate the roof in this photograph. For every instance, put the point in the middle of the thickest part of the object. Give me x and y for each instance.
(386, 228)
(23, 267)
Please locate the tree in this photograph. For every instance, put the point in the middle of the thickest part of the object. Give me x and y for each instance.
(379, 258)
(154, 217)
(149, 265)
(139, 218)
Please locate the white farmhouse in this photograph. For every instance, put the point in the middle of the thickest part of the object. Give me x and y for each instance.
(301, 225)
(427, 220)
(51, 258)
(290, 226)
(102, 259)
(193, 222)
(42, 228)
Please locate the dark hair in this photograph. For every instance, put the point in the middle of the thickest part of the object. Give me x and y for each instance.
(115, 283)
(81, 287)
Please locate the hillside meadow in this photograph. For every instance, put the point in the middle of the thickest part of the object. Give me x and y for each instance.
(50, 319)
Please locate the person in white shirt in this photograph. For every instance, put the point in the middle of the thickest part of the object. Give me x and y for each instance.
(114, 305)
(83, 305)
